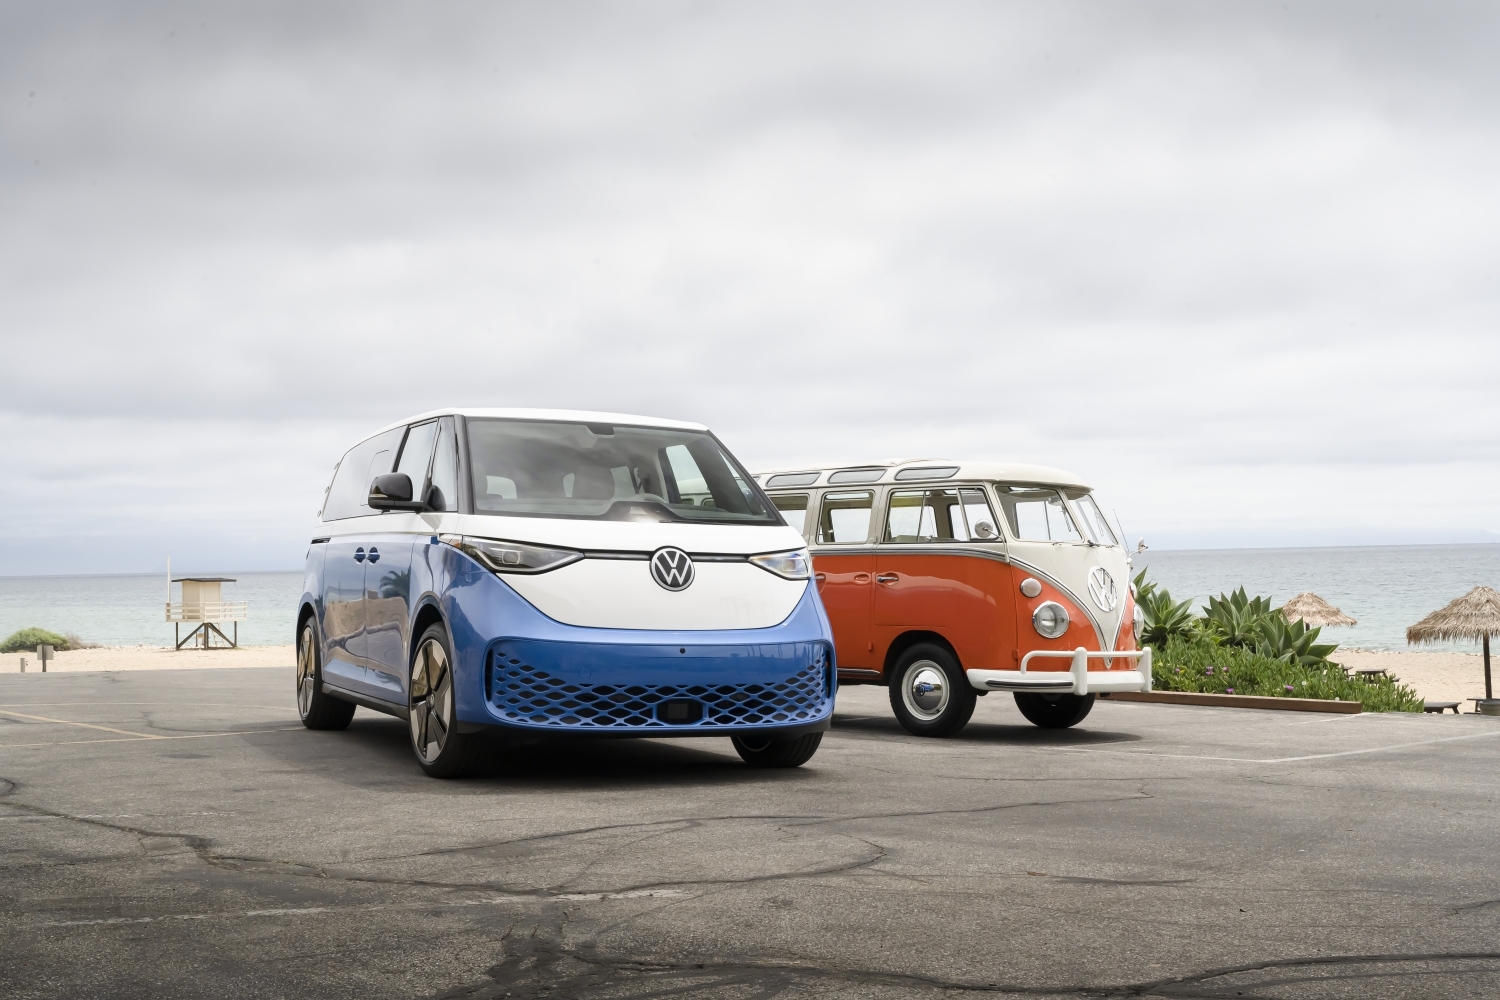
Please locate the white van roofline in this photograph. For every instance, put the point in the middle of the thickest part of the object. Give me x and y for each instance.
(1008, 472)
(525, 413)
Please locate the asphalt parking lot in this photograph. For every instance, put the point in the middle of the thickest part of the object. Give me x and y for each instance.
(178, 834)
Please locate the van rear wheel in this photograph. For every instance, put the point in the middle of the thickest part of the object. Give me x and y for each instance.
(317, 709)
(1054, 711)
(765, 751)
(930, 693)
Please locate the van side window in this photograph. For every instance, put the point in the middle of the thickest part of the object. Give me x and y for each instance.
(945, 515)
(443, 494)
(416, 455)
(1036, 514)
(351, 484)
(793, 509)
(845, 518)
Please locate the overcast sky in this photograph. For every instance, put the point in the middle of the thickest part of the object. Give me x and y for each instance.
(1236, 264)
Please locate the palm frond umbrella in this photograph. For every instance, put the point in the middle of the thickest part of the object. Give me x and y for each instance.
(1313, 611)
(1476, 615)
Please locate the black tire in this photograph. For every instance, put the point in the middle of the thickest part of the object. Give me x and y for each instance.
(318, 709)
(767, 751)
(1054, 711)
(930, 693)
(441, 750)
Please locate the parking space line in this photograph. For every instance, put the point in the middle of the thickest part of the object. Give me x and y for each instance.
(85, 725)
(141, 739)
(1280, 760)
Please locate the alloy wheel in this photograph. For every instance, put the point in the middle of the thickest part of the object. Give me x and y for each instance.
(431, 700)
(307, 671)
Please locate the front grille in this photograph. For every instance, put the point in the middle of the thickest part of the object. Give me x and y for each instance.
(524, 694)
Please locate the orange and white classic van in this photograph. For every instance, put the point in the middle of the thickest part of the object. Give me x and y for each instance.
(947, 580)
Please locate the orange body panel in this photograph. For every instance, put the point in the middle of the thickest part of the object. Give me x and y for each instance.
(974, 603)
(844, 584)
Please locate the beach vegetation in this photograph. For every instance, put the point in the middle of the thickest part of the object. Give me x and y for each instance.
(1164, 618)
(1235, 619)
(1294, 642)
(27, 639)
(1201, 664)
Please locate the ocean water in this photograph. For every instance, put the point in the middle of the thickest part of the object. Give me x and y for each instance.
(1386, 588)
(127, 610)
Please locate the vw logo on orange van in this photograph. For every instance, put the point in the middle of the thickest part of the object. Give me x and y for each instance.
(671, 568)
(1102, 589)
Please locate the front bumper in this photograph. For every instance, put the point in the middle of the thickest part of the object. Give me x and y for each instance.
(1077, 679)
(519, 673)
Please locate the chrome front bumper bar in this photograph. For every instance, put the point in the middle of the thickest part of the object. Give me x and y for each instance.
(1079, 679)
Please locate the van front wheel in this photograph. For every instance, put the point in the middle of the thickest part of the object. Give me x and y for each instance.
(764, 751)
(1054, 711)
(930, 693)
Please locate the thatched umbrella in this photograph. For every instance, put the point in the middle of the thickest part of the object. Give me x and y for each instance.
(1476, 615)
(1314, 611)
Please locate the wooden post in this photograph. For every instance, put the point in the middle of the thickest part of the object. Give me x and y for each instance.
(1489, 692)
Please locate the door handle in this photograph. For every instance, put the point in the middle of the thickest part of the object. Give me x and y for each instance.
(887, 578)
(861, 578)
(359, 554)
(374, 554)
(820, 577)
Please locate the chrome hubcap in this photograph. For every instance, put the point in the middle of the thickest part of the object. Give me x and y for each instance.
(431, 700)
(307, 675)
(924, 689)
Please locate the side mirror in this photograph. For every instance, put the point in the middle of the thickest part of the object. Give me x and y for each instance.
(392, 491)
(985, 529)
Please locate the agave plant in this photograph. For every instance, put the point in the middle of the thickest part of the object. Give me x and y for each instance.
(1142, 587)
(1164, 618)
(1291, 642)
(1234, 618)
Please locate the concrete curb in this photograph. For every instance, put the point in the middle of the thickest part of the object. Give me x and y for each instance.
(1239, 701)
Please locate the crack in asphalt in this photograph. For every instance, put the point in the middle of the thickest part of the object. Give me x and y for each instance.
(537, 964)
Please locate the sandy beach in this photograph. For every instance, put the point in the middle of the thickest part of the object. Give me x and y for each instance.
(154, 658)
(1435, 676)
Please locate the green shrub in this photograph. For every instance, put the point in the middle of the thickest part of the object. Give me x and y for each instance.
(1202, 665)
(1235, 619)
(28, 639)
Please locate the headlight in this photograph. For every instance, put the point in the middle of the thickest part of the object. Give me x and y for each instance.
(787, 565)
(511, 557)
(1050, 620)
(1139, 622)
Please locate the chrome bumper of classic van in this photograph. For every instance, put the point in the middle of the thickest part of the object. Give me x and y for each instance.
(1079, 679)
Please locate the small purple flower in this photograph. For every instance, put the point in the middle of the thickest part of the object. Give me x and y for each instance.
(1289, 687)
(1208, 670)
(1229, 690)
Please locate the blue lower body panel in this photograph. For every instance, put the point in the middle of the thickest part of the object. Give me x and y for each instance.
(516, 669)
(593, 687)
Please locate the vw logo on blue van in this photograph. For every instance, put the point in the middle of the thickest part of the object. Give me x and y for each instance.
(671, 568)
(1102, 589)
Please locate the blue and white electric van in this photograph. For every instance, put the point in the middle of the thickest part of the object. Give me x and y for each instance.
(524, 573)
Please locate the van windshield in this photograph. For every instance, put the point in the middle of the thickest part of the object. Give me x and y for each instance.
(549, 469)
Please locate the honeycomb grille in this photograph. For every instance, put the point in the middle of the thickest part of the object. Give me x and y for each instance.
(527, 695)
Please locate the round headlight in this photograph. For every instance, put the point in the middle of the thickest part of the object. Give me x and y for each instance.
(1140, 622)
(1050, 620)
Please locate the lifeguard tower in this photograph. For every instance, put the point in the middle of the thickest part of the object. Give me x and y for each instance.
(203, 603)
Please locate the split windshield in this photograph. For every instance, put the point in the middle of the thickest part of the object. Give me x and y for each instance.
(605, 472)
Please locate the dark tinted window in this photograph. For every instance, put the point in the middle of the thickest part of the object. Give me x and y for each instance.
(351, 483)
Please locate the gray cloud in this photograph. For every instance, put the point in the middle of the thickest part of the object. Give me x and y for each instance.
(1234, 262)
